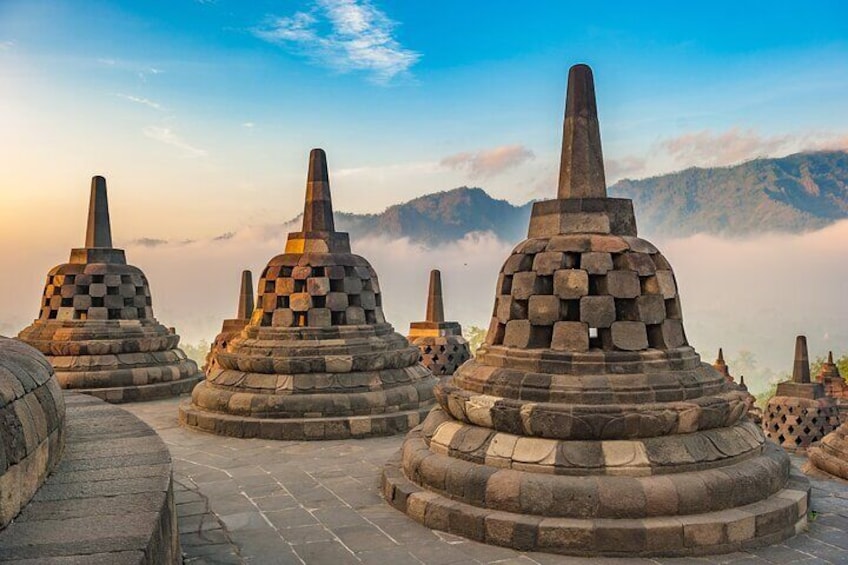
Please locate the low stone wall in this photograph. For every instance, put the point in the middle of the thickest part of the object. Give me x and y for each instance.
(110, 500)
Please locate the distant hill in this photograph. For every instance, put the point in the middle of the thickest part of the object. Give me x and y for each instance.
(796, 193)
(442, 217)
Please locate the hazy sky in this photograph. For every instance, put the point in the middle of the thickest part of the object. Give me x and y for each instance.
(201, 113)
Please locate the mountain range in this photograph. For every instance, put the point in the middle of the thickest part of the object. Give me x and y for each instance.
(796, 193)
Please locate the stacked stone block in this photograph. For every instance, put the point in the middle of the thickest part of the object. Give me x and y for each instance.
(586, 424)
(754, 412)
(32, 425)
(831, 455)
(318, 359)
(96, 323)
(233, 327)
(442, 348)
(834, 386)
(800, 414)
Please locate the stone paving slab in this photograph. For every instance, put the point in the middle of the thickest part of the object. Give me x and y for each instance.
(261, 501)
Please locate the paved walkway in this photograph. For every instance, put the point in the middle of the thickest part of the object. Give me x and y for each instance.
(268, 502)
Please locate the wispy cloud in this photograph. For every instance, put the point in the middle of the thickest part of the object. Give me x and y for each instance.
(143, 101)
(149, 242)
(489, 162)
(707, 148)
(6, 45)
(347, 35)
(616, 169)
(248, 125)
(167, 136)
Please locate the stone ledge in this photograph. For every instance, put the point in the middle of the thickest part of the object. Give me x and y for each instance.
(98, 507)
(298, 429)
(762, 523)
(140, 393)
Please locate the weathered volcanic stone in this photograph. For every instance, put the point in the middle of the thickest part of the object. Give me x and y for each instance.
(441, 345)
(800, 414)
(597, 431)
(831, 455)
(834, 386)
(32, 425)
(96, 324)
(317, 359)
(233, 327)
(755, 414)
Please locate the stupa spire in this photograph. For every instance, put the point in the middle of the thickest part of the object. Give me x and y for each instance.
(581, 173)
(318, 211)
(720, 355)
(830, 357)
(801, 367)
(245, 305)
(99, 230)
(435, 304)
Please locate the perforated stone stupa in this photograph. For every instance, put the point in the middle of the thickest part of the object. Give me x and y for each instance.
(32, 425)
(231, 328)
(318, 359)
(586, 424)
(96, 324)
(834, 386)
(799, 414)
(831, 455)
(443, 349)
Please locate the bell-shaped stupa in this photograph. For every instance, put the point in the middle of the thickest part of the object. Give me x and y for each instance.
(318, 359)
(32, 425)
(232, 327)
(800, 414)
(831, 454)
(586, 424)
(834, 386)
(97, 327)
(443, 349)
(754, 413)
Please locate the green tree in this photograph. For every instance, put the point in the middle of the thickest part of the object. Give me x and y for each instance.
(475, 336)
(196, 352)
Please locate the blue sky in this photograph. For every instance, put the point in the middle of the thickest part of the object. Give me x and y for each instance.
(201, 115)
(186, 98)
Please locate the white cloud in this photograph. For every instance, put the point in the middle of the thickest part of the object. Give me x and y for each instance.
(489, 162)
(248, 125)
(167, 136)
(347, 35)
(6, 45)
(143, 101)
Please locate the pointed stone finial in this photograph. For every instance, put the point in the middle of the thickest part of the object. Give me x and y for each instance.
(245, 305)
(318, 212)
(581, 172)
(99, 230)
(830, 357)
(720, 355)
(435, 305)
(801, 367)
(741, 380)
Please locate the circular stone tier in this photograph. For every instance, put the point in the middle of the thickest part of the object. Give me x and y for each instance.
(318, 359)
(32, 425)
(586, 424)
(831, 455)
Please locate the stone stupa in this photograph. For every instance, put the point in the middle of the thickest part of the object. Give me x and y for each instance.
(97, 327)
(586, 424)
(443, 349)
(232, 327)
(754, 412)
(32, 425)
(318, 359)
(830, 455)
(799, 414)
(834, 386)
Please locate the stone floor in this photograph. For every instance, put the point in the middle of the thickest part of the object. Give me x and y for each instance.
(260, 501)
